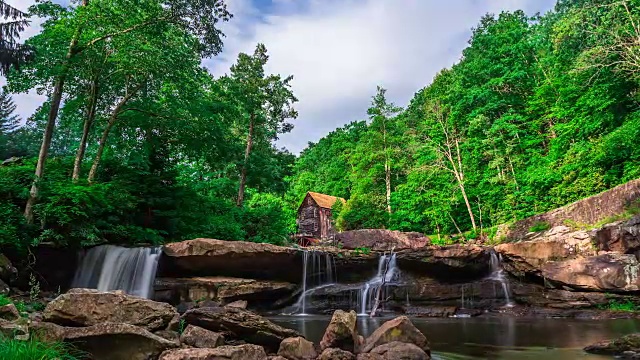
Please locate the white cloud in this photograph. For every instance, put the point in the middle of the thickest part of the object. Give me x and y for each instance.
(339, 50)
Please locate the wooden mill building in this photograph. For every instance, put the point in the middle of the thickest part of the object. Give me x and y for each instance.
(314, 215)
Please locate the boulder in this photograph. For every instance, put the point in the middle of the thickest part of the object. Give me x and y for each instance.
(4, 288)
(201, 338)
(84, 307)
(369, 356)
(109, 341)
(242, 304)
(381, 240)
(220, 289)
(7, 270)
(447, 262)
(629, 342)
(399, 329)
(607, 272)
(11, 329)
(559, 243)
(9, 312)
(297, 348)
(622, 237)
(240, 324)
(240, 352)
(242, 259)
(336, 354)
(169, 335)
(342, 332)
(400, 351)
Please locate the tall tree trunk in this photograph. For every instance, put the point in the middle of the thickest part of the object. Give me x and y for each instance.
(105, 134)
(88, 122)
(387, 167)
(101, 145)
(460, 177)
(56, 99)
(247, 153)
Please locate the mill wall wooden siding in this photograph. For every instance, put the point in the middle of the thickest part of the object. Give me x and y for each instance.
(314, 220)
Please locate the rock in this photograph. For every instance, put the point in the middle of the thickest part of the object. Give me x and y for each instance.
(220, 289)
(277, 358)
(4, 288)
(297, 348)
(560, 243)
(12, 330)
(336, 354)
(431, 311)
(240, 324)
(622, 237)
(369, 356)
(341, 332)
(240, 259)
(241, 352)
(169, 335)
(399, 329)
(9, 312)
(382, 240)
(7, 270)
(400, 351)
(629, 342)
(109, 341)
(201, 338)
(608, 272)
(242, 304)
(447, 262)
(84, 307)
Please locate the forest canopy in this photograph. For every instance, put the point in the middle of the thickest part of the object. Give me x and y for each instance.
(137, 143)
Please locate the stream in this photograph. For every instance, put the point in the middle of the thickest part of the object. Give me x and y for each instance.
(491, 338)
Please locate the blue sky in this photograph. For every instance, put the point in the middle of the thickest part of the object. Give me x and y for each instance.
(339, 50)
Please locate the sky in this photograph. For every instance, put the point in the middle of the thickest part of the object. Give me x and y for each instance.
(338, 51)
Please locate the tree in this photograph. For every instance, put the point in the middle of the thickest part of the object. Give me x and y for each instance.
(109, 20)
(380, 113)
(265, 103)
(12, 54)
(9, 121)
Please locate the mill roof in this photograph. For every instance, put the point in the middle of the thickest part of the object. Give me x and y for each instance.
(325, 201)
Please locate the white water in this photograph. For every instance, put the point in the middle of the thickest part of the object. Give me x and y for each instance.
(318, 271)
(370, 288)
(497, 274)
(109, 267)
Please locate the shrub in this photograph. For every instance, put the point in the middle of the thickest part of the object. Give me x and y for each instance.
(540, 226)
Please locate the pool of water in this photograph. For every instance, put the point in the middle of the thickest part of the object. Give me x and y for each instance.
(491, 338)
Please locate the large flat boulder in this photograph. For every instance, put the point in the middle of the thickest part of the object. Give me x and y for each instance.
(297, 348)
(240, 352)
(607, 272)
(618, 346)
(240, 324)
(84, 307)
(559, 243)
(109, 341)
(201, 338)
(241, 259)
(447, 262)
(221, 289)
(382, 240)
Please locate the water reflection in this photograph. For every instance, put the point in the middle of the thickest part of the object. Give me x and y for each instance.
(492, 338)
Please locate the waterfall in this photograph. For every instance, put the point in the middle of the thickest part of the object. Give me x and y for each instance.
(318, 271)
(109, 267)
(386, 263)
(498, 274)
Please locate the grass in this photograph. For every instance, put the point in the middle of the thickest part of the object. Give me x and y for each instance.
(4, 300)
(540, 226)
(627, 306)
(37, 350)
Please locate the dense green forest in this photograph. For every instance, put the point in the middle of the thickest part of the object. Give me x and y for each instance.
(138, 143)
(539, 112)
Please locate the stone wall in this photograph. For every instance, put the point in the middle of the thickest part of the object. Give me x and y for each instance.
(587, 211)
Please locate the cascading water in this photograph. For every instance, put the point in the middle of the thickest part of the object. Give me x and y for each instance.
(318, 271)
(387, 274)
(109, 267)
(497, 274)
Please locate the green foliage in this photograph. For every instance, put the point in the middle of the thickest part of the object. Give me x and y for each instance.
(35, 349)
(541, 111)
(363, 250)
(625, 306)
(540, 226)
(4, 300)
(181, 326)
